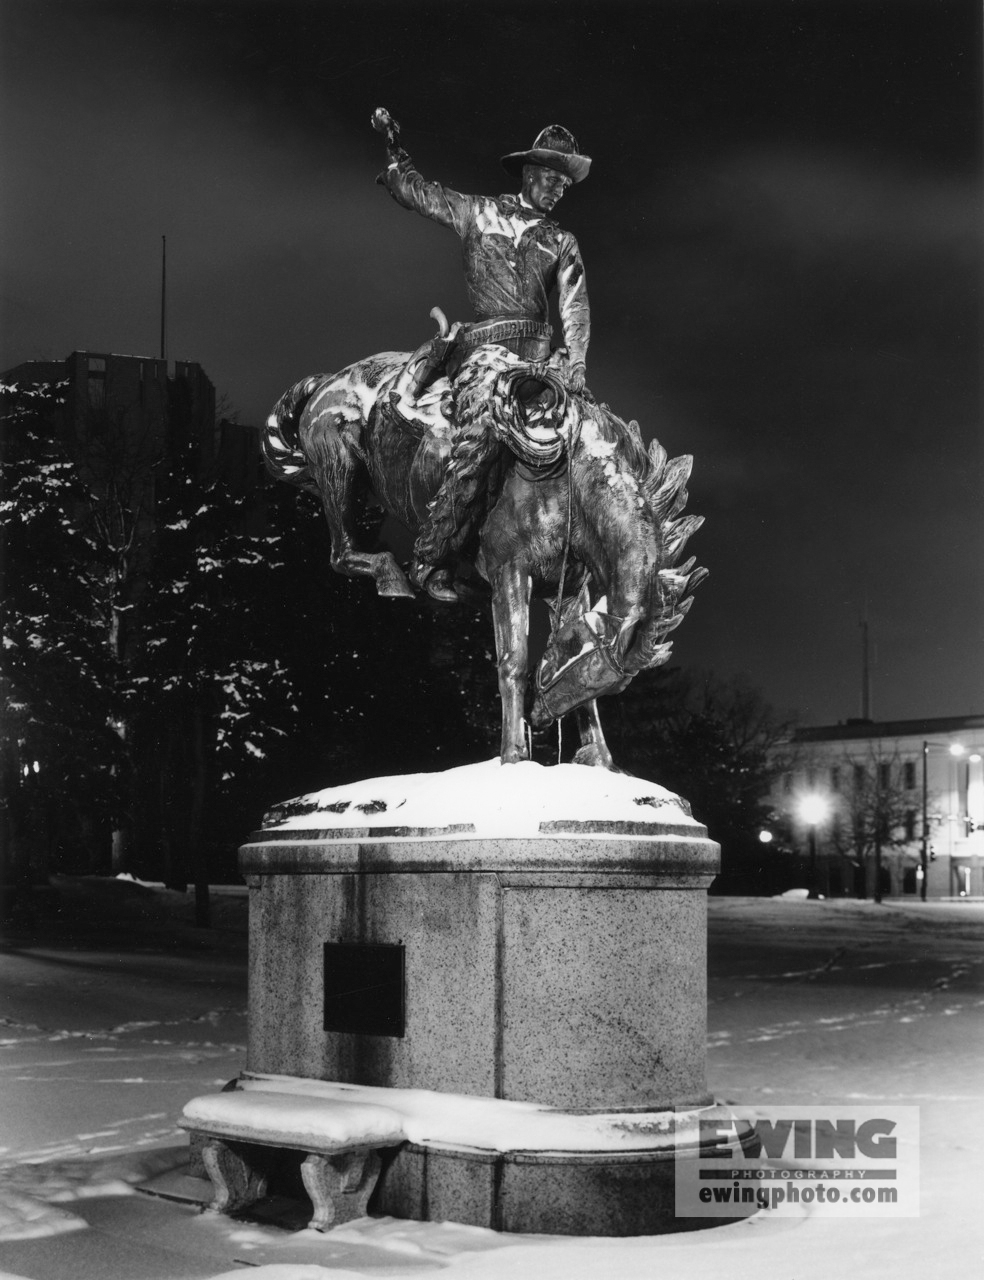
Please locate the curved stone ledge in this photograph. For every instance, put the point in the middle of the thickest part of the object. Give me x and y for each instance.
(655, 856)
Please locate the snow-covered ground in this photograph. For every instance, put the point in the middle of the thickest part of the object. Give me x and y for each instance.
(115, 1013)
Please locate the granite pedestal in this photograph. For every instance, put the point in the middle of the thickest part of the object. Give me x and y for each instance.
(565, 969)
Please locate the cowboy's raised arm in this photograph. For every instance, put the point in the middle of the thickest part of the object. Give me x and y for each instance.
(409, 189)
(572, 301)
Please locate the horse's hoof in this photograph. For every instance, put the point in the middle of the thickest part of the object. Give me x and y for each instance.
(396, 590)
(592, 755)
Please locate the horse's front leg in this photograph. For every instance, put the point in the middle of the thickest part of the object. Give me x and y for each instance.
(593, 749)
(511, 586)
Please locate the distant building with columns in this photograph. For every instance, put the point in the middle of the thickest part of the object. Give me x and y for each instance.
(901, 801)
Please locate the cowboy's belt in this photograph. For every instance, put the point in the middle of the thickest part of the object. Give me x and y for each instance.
(476, 335)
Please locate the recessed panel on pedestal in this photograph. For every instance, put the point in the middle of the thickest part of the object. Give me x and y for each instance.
(365, 988)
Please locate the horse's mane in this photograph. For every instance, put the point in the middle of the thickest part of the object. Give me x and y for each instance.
(627, 438)
(661, 481)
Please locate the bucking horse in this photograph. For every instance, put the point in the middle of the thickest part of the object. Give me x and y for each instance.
(578, 513)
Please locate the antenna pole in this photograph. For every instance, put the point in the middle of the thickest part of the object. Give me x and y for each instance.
(163, 297)
(865, 673)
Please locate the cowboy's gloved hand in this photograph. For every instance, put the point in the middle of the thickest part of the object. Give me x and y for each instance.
(575, 377)
(383, 122)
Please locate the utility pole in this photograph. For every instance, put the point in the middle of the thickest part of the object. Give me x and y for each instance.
(924, 852)
(163, 297)
(865, 672)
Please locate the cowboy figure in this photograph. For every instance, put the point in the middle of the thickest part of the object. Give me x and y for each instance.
(514, 258)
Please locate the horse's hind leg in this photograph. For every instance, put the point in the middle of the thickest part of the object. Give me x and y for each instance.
(335, 472)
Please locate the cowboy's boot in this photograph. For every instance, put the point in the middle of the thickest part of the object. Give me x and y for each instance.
(437, 582)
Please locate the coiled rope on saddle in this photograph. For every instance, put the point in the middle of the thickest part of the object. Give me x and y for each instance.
(532, 413)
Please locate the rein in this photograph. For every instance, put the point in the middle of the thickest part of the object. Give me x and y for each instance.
(563, 575)
(567, 535)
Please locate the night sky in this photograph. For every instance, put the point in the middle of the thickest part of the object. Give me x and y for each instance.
(781, 231)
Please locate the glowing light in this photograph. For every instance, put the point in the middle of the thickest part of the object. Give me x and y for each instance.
(957, 749)
(813, 809)
(766, 837)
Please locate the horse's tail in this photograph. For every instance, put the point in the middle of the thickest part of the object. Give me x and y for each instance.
(279, 441)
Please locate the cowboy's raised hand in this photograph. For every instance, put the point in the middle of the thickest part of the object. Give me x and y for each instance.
(575, 377)
(383, 122)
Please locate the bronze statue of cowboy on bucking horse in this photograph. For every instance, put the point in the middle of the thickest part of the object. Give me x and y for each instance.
(486, 443)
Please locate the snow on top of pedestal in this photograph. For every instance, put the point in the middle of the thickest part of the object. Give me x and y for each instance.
(489, 799)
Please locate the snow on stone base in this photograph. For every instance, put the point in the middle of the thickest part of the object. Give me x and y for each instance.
(489, 799)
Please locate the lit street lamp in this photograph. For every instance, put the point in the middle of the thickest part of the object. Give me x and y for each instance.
(955, 749)
(812, 810)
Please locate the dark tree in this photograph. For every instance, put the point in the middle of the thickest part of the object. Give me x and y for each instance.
(384, 686)
(873, 816)
(209, 698)
(715, 742)
(62, 759)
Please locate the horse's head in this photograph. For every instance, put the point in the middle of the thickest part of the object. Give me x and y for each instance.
(581, 662)
(628, 502)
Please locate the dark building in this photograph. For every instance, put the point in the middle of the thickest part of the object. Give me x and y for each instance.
(156, 412)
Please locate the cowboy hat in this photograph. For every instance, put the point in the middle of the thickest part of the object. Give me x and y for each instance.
(554, 148)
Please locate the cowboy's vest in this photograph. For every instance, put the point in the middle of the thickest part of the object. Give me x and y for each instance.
(513, 256)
